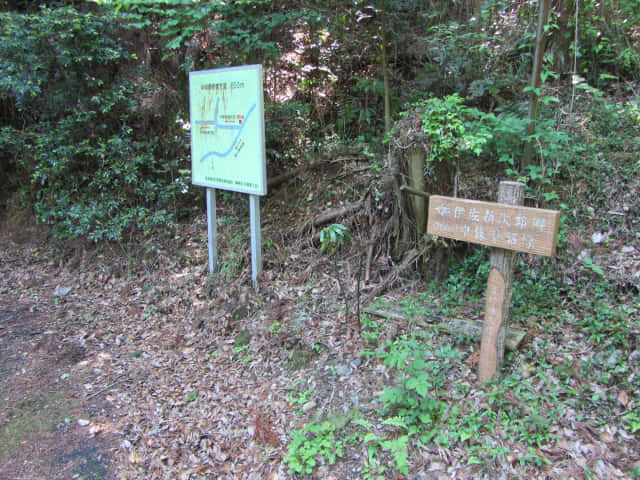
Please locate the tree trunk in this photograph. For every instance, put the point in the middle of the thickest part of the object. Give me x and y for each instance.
(415, 164)
(536, 81)
(385, 71)
(562, 37)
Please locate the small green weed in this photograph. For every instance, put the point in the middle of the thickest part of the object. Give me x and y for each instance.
(486, 453)
(371, 329)
(229, 266)
(241, 353)
(274, 328)
(605, 325)
(192, 396)
(300, 398)
(415, 402)
(632, 420)
(466, 283)
(312, 445)
(523, 412)
(397, 447)
(536, 291)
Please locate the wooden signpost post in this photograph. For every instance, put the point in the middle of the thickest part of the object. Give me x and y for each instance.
(508, 227)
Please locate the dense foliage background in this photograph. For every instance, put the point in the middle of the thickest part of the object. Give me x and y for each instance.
(93, 95)
(370, 108)
(78, 144)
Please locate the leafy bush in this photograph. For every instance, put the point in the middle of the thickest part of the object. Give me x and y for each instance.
(311, 445)
(416, 401)
(72, 131)
(448, 130)
(360, 110)
(199, 35)
(452, 128)
(608, 40)
(287, 136)
(468, 277)
(467, 61)
(551, 141)
(242, 32)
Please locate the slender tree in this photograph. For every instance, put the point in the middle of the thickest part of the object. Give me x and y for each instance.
(536, 81)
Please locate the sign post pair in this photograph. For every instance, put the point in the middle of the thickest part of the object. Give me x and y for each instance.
(508, 227)
(227, 145)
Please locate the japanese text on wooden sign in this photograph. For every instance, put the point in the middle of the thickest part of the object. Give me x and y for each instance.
(525, 229)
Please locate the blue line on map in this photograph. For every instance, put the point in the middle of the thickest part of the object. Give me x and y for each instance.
(215, 123)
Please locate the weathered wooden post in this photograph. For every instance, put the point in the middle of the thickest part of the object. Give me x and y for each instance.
(498, 297)
(508, 227)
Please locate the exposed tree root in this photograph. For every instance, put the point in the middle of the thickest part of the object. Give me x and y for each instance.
(332, 215)
(387, 282)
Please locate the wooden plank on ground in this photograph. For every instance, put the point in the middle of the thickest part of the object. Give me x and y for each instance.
(471, 328)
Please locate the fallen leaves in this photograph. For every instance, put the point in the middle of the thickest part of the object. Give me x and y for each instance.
(163, 350)
(264, 430)
(623, 398)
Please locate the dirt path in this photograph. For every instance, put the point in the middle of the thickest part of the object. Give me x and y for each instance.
(129, 362)
(45, 409)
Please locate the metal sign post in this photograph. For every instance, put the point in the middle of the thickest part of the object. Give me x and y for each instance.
(256, 239)
(212, 230)
(227, 145)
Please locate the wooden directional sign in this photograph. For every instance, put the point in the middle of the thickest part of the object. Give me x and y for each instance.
(508, 227)
(511, 227)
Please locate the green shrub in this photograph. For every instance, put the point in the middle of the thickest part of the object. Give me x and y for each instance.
(416, 401)
(287, 136)
(73, 133)
(312, 445)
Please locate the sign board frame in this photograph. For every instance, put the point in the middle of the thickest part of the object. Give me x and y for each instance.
(227, 129)
(228, 145)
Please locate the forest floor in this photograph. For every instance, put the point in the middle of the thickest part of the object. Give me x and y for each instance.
(128, 361)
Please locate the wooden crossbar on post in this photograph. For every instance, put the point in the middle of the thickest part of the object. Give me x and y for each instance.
(508, 227)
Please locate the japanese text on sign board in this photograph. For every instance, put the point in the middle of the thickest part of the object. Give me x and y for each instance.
(518, 228)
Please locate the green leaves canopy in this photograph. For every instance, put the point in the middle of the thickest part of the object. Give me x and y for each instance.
(70, 130)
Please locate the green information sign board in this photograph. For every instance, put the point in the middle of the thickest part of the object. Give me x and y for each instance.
(227, 129)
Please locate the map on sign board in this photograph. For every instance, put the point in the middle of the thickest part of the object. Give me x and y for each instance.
(227, 129)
